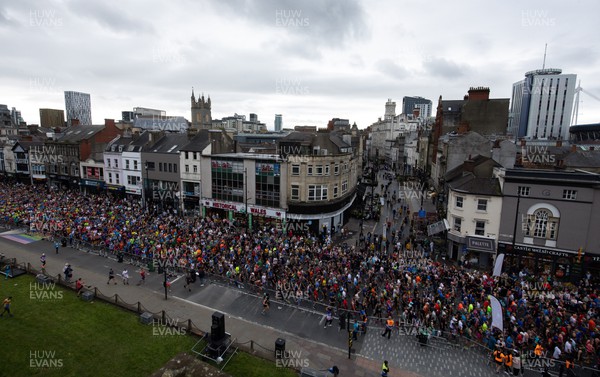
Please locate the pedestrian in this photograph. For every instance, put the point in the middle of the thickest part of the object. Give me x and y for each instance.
(125, 277)
(56, 246)
(7, 272)
(188, 281)
(517, 367)
(389, 325)
(68, 272)
(385, 369)
(6, 305)
(334, 370)
(266, 304)
(79, 286)
(142, 276)
(43, 262)
(328, 318)
(111, 277)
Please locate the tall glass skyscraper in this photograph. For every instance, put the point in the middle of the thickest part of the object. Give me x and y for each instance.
(78, 106)
(278, 122)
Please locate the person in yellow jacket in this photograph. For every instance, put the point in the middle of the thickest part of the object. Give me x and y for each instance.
(539, 350)
(498, 359)
(508, 361)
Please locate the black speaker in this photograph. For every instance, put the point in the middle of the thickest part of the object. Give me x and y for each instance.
(217, 330)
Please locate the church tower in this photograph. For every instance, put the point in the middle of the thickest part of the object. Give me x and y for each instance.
(201, 115)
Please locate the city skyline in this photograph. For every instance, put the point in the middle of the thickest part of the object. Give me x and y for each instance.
(310, 61)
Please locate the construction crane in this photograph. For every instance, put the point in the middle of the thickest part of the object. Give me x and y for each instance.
(578, 90)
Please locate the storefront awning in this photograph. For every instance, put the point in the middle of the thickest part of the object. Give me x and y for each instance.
(487, 245)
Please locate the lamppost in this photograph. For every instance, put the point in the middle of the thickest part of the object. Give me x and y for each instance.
(146, 182)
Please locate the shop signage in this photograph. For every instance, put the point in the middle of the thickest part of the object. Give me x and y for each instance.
(481, 244)
(542, 250)
(267, 212)
(222, 205)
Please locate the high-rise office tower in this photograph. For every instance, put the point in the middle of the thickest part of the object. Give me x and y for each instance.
(278, 122)
(542, 104)
(78, 106)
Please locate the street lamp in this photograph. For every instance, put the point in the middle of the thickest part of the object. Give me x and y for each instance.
(145, 187)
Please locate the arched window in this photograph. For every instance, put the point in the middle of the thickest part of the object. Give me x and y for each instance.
(541, 224)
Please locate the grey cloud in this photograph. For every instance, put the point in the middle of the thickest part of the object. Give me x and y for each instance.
(106, 16)
(389, 68)
(444, 68)
(324, 22)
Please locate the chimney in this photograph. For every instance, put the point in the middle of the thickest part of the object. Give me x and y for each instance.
(559, 143)
(574, 148)
(109, 122)
(479, 93)
(466, 97)
(469, 165)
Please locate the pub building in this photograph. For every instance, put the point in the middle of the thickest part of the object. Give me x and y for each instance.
(549, 223)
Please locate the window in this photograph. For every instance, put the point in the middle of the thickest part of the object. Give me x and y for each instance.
(480, 228)
(110, 178)
(570, 194)
(227, 180)
(132, 180)
(187, 156)
(457, 224)
(317, 192)
(523, 190)
(116, 163)
(187, 168)
(117, 178)
(295, 169)
(319, 170)
(326, 169)
(482, 204)
(135, 165)
(160, 166)
(459, 202)
(127, 164)
(344, 187)
(174, 168)
(195, 168)
(310, 170)
(170, 167)
(345, 167)
(268, 184)
(541, 224)
(335, 190)
(336, 169)
(108, 162)
(295, 192)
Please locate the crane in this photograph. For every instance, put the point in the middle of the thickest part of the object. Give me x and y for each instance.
(578, 90)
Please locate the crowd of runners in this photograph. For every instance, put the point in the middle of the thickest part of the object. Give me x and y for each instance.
(372, 281)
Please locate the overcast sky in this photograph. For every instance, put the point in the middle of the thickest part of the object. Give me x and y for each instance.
(308, 60)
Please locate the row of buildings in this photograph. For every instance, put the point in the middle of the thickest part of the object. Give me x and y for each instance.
(307, 177)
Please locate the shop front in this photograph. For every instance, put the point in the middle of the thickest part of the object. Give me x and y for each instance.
(563, 265)
(247, 216)
(116, 190)
(91, 186)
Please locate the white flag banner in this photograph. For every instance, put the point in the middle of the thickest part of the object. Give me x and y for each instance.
(498, 265)
(496, 313)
